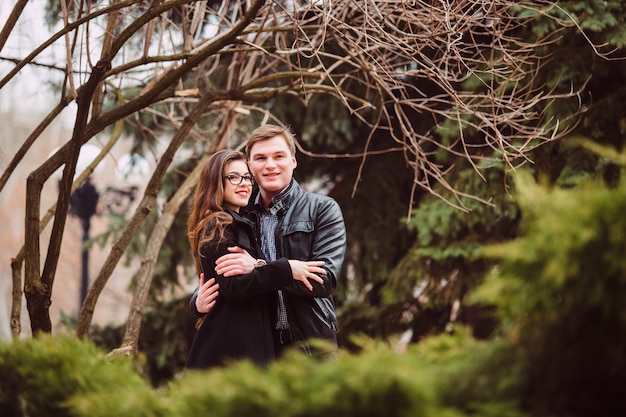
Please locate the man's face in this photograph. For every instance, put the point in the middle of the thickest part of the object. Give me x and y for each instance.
(272, 165)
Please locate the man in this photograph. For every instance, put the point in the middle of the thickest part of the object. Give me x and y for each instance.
(294, 224)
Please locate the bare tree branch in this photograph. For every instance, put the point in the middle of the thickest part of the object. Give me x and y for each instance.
(11, 21)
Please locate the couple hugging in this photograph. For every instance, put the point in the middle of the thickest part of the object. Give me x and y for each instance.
(272, 262)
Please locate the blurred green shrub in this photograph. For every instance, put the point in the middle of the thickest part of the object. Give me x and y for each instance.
(43, 376)
(68, 377)
(365, 385)
(561, 291)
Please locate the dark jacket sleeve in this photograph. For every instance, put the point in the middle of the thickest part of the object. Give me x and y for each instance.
(279, 269)
(328, 244)
(274, 276)
(192, 304)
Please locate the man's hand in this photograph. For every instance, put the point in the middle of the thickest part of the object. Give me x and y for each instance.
(304, 271)
(237, 262)
(207, 293)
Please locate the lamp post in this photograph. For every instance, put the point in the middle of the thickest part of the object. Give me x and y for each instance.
(87, 201)
(83, 204)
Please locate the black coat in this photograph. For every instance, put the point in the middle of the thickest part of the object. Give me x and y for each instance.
(239, 326)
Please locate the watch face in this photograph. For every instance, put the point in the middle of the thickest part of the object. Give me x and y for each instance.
(260, 262)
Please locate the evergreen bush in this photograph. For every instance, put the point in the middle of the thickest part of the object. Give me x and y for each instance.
(48, 376)
(353, 385)
(561, 289)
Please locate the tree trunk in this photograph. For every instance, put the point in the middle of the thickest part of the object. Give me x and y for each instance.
(38, 291)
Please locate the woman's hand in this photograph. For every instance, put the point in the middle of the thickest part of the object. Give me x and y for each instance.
(304, 271)
(207, 293)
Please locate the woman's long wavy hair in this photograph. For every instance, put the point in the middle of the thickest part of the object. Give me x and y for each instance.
(208, 203)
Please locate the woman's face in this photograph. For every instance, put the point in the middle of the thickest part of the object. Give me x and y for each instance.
(237, 185)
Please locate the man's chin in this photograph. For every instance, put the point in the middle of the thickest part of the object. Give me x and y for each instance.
(271, 186)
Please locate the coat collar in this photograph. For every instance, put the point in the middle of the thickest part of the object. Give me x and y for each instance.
(282, 201)
(238, 217)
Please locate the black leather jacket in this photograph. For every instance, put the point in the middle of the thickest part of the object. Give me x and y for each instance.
(310, 227)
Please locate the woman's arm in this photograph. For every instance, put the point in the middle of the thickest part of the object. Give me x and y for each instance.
(241, 287)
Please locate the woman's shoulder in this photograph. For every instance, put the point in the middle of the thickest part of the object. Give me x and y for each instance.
(242, 222)
(218, 227)
(224, 222)
(244, 233)
(216, 241)
(219, 218)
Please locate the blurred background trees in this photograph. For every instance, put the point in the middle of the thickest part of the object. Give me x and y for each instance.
(414, 116)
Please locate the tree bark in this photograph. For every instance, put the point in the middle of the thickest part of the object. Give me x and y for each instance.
(38, 290)
(18, 261)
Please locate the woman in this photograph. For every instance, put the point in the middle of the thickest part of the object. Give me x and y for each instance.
(238, 325)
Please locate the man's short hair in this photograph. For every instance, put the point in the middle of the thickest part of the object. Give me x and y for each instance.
(269, 131)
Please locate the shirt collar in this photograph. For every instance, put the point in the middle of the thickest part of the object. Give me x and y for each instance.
(277, 201)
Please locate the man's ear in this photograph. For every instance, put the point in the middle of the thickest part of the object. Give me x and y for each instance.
(295, 162)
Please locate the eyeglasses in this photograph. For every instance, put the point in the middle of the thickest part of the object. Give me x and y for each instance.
(236, 179)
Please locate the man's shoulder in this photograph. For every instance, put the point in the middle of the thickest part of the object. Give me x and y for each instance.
(315, 198)
(314, 207)
(303, 201)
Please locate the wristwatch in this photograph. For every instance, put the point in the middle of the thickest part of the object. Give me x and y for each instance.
(259, 263)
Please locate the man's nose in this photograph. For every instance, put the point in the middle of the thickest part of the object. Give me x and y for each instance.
(270, 162)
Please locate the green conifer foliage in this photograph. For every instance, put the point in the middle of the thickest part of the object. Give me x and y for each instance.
(51, 376)
(560, 290)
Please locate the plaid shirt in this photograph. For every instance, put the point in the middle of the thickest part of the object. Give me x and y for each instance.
(268, 222)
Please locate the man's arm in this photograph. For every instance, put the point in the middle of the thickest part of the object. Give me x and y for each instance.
(329, 246)
(239, 261)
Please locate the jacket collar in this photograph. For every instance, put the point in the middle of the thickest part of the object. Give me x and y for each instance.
(238, 217)
(282, 201)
